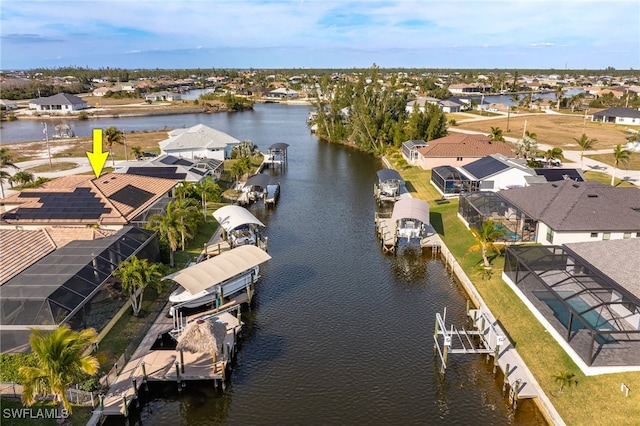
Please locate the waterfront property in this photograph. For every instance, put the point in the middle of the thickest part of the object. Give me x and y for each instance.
(585, 298)
(557, 212)
(111, 201)
(458, 149)
(71, 285)
(61, 102)
(174, 168)
(276, 154)
(199, 142)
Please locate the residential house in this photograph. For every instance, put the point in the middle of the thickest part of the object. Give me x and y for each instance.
(111, 201)
(60, 102)
(587, 297)
(559, 212)
(174, 168)
(282, 93)
(410, 150)
(8, 105)
(421, 103)
(491, 173)
(459, 149)
(462, 88)
(199, 142)
(162, 96)
(617, 115)
(69, 285)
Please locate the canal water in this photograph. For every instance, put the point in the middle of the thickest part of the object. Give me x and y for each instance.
(340, 333)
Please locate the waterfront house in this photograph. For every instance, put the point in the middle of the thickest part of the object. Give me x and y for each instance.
(62, 102)
(111, 201)
(162, 96)
(491, 173)
(282, 93)
(199, 142)
(174, 168)
(421, 103)
(586, 295)
(459, 149)
(559, 212)
(617, 115)
(68, 285)
(410, 150)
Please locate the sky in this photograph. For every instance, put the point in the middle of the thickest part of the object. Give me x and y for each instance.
(533, 34)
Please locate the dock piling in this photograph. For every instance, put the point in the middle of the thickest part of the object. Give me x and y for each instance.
(505, 382)
(182, 362)
(178, 376)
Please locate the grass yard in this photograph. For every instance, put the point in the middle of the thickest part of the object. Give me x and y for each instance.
(633, 164)
(553, 129)
(57, 166)
(595, 400)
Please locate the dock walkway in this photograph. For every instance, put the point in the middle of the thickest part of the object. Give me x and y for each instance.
(168, 365)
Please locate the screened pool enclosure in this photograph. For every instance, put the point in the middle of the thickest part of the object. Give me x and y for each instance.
(71, 285)
(477, 207)
(598, 317)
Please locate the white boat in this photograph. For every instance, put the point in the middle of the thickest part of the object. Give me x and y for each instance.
(223, 275)
(389, 185)
(240, 226)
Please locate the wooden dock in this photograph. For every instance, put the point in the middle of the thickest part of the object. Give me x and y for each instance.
(387, 232)
(147, 364)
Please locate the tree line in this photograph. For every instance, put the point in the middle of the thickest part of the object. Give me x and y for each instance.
(372, 116)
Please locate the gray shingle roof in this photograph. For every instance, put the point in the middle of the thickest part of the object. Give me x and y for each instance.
(58, 99)
(618, 259)
(579, 206)
(618, 112)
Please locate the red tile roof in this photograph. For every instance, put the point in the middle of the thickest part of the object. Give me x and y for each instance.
(465, 145)
(103, 188)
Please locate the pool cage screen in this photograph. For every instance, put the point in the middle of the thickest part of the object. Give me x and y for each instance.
(477, 207)
(595, 315)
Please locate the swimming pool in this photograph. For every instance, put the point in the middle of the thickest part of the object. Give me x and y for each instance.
(594, 319)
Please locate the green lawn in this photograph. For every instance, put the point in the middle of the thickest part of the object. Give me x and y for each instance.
(596, 400)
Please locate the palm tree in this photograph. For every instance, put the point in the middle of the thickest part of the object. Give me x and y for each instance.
(168, 225)
(486, 236)
(586, 144)
(565, 378)
(189, 218)
(554, 154)
(558, 95)
(621, 156)
(496, 134)
(209, 190)
(137, 151)
(135, 275)
(22, 177)
(113, 135)
(60, 363)
(6, 160)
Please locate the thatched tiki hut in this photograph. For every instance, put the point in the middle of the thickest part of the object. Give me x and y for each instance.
(202, 336)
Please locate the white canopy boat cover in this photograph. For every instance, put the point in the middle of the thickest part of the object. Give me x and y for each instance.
(230, 217)
(411, 208)
(219, 269)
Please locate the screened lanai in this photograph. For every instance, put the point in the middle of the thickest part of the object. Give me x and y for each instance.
(596, 316)
(70, 285)
(477, 207)
(451, 181)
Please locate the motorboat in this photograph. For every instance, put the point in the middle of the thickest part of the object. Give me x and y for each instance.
(240, 226)
(221, 276)
(389, 185)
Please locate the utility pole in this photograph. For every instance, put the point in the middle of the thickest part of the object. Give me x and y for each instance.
(46, 136)
(124, 142)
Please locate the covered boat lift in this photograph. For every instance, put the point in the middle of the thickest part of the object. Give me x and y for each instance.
(389, 186)
(256, 187)
(410, 220)
(238, 222)
(277, 153)
(215, 272)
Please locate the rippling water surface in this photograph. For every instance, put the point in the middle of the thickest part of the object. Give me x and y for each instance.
(340, 333)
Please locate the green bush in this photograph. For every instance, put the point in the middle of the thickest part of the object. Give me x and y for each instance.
(10, 365)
